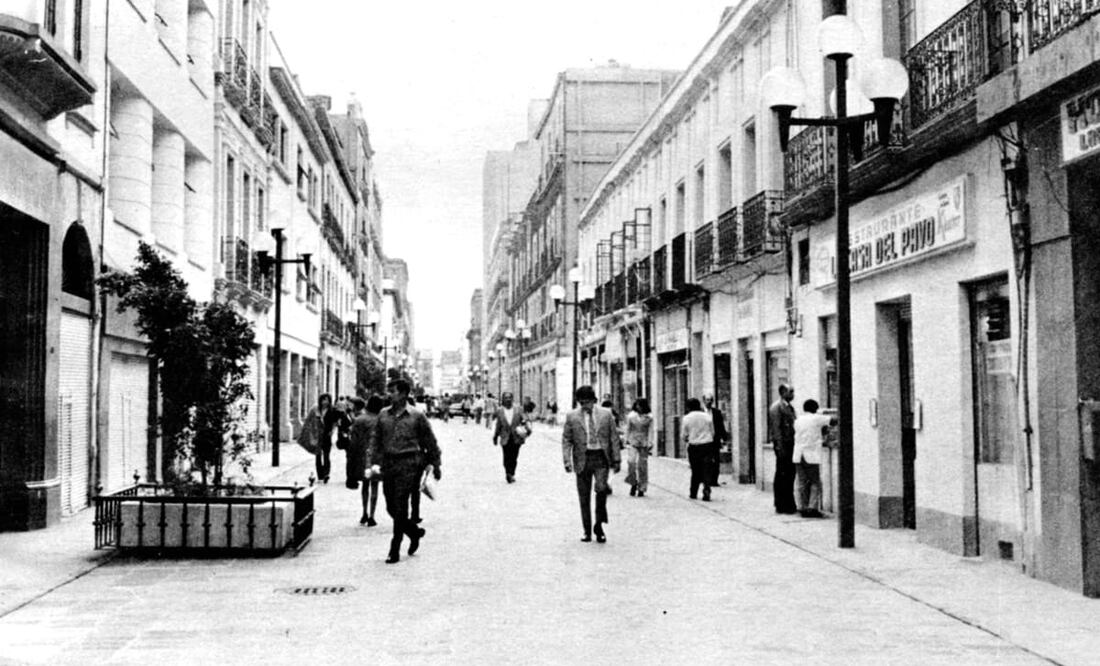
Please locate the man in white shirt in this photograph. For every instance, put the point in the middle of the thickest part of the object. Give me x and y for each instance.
(808, 440)
(698, 431)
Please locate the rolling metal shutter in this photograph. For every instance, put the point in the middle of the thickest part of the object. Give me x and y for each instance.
(73, 396)
(129, 415)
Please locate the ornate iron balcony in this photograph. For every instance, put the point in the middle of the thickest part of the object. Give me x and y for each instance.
(948, 65)
(660, 270)
(809, 161)
(761, 229)
(234, 74)
(1048, 19)
(727, 237)
(620, 291)
(334, 326)
(641, 285)
(704, 250)
(679, 261)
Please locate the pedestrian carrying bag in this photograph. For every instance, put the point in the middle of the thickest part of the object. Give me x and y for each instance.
(428, 485)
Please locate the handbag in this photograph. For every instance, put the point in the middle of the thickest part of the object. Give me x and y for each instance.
(428, 485)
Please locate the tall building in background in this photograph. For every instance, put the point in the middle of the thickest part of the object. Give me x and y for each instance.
(589, 118)
(425, 368)
(473, 338)
(452, 377)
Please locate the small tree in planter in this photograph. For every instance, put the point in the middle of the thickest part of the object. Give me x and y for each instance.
(201, 352)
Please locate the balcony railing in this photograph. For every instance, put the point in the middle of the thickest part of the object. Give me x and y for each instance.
(641, 284)
(261, 282)
(333, 325)
(660, 270)
(268, 131)
(809, 161)
(760, 230)
(1048, 19)
(235, 259)
(948, 65)
(679, 261)
(871, 145)
(727, 237)
(234, 76)
(621, 300)
(704, 250)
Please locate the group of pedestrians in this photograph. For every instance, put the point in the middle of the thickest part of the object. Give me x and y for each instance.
(797, 441)
(395, 444)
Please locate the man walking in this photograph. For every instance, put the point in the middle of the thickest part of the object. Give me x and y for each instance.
(405, 445)
(590, 447)
(512, 429)
(781, 437)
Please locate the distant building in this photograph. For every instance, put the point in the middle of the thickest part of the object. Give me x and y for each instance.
(425, 368)
(452, 376)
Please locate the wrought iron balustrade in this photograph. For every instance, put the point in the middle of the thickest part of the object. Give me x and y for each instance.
(334, 234)
(1049, 19)
(235, 257)
(727, 237)
(679, 261)
(234, 74)
(760, 226)
(262, 281)
(642, 287)
(871, 145)
(660, 270)
(704, 250)
(947, 66)
(334, 326)
(620, 291)
(810, 160)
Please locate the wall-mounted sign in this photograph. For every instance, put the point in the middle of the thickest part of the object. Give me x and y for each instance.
(1081, 125)
(919, 226)
(672, 340)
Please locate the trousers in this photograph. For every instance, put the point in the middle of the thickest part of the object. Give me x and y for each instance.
(637, 467)
(699, 459)
(400, 483)
(510, 452)
(323, 460)
(783, 485)
(594, 472)
(809, 486)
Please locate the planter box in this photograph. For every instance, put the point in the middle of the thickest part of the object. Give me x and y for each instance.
(148, 517)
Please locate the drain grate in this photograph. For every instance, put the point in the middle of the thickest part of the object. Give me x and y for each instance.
(318, 590)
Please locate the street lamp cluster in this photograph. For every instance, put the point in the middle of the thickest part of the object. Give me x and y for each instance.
(882, 84)
(582, 298)
(520, 335)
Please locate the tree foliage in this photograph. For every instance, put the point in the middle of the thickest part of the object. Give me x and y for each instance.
(201, 352)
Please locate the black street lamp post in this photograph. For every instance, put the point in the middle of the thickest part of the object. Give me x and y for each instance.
(266, 263)
(520, 335)
(884, 81)
(582, 297)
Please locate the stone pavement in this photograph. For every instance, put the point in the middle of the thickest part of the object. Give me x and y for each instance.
(502, 577)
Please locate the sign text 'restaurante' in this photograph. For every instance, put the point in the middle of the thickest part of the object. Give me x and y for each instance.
(922, 224)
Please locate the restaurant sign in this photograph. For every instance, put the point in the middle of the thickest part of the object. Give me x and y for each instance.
(918, 227)
(1081, 125)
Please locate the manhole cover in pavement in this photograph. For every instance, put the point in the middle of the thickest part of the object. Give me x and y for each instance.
(318, 590)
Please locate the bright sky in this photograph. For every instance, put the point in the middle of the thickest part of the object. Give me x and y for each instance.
(443, 82)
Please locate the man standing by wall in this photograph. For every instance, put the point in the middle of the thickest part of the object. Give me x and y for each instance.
(590, 447)
(405, 445)
(781, 436)
(511, 424)
(714, 464)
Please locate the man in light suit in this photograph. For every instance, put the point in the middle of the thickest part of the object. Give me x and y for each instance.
(590, 448)
(511, 423)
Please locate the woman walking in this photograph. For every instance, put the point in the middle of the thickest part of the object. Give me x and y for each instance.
(698, 434)
(638, 425)
(316, 436)
(363, 429)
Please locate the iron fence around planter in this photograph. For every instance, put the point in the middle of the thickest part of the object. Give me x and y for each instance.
(704, 250)
(947, 66)
(759, 224)
(679, 261)
(147, 516)
(727, 237)
(1049, 19)
(660, 270)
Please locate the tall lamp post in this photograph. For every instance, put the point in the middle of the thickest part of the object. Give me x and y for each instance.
(373, 318)
(581, 298)
(262, 246)
(498, 355)
(884, 81)
(520, 335)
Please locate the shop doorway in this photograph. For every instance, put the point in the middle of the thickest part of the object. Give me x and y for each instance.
(746, 389)
(908, 422)
(897, 421)
(674, 391)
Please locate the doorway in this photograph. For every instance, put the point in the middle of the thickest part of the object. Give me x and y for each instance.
(674, 391)
(747, 427)
(908, 422)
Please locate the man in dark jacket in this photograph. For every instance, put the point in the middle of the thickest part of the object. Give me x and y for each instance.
(404, 447)
(721, 436)
(781, 437)
(511, 424)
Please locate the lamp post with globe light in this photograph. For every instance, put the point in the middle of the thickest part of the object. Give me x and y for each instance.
(582, 296)
(884, 81)
(263, 244)
(520, 335)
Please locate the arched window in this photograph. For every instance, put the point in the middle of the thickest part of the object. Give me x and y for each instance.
(77, 271)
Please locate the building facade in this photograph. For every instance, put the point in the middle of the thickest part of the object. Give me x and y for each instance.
(53, 98)
(589, 118)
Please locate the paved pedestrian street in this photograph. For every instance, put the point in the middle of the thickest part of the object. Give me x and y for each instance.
(502, 577)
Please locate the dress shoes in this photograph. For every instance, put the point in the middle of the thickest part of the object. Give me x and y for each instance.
(414, 540)
(633, 491)
(641, 493)
(600, 536)
(371, 522)
(364, 519)
(811, 513)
